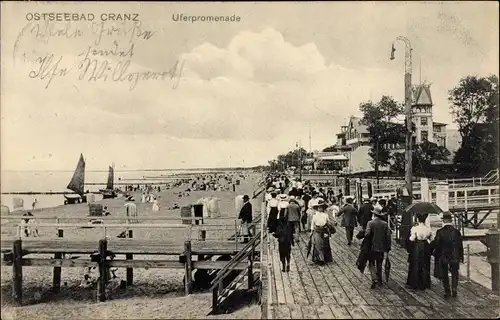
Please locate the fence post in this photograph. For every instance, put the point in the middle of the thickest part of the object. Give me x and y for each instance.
(493, 242)
(17, 272)
(101, 285)
(188, 268)
(203, 237)
(129, 256)
(236, 235)
(468, 262)
(215, 305)
(56, 277)
(465, 199)
(250, 268)
(489, 196)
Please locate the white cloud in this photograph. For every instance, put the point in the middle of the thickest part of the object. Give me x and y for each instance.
(245, 95)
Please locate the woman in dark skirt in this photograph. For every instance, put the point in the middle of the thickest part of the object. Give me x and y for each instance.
(272, 211)
(320, 235)
(419, 257)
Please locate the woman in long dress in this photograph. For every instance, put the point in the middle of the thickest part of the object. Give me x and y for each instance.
(419, 255)
(272, 211)
(156, 207)
(320, 236)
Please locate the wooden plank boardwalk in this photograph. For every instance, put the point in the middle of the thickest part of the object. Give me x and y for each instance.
(340, 291)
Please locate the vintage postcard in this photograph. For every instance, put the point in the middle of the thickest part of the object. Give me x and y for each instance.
(249, 160)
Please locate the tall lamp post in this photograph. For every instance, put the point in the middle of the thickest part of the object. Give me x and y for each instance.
(408, 149)
(297, 145)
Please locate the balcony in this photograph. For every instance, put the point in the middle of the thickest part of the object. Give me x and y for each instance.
(357, 140)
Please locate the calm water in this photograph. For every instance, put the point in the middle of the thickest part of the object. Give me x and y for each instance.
(44, 181)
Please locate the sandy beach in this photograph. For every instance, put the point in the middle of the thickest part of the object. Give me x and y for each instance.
(156, 293)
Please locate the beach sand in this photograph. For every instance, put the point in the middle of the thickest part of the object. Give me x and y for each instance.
(156, 293)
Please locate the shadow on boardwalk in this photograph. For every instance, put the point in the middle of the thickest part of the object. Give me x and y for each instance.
(339, 290)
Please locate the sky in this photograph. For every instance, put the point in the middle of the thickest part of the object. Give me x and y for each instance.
(233, 93)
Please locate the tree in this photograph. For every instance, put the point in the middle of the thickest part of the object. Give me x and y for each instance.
(293, 158)
(379, 120)
(473, 101)
(425, 154)
(423, 157)
(474, 107)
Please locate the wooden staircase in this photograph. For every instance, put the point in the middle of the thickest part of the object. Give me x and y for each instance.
(247, 279)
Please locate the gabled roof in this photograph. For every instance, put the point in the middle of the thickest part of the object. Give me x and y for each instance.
(355, 122)
(422, 95)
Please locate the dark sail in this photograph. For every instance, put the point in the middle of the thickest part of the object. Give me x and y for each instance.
(77, 182)
(111, 178)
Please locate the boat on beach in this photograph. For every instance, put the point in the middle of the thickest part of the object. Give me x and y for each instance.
(109, 192)
(77, 184)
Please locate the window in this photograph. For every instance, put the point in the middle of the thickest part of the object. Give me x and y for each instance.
(424, 136)
(423, 121)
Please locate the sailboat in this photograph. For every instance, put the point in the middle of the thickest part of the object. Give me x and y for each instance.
(77, 184)
(109, 192)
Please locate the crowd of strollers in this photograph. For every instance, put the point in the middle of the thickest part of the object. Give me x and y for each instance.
(294, 206)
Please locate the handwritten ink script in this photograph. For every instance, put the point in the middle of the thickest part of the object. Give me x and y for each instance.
(96, 59)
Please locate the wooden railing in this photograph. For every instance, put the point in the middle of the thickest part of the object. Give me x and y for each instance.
(248, 252)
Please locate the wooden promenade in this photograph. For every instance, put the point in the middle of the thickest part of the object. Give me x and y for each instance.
(340, 291)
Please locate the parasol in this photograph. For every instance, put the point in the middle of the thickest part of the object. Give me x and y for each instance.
(424, 207)
(387, 268)
(309, 246)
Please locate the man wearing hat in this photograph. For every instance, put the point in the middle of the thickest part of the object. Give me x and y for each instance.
(246, 217)
(365, 213)
(282, 205)
(380, 235)
(293, 214)
(349, 219)
(449, 251)
(268, 193)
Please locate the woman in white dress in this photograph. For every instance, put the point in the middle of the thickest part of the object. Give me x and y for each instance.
(156, 207)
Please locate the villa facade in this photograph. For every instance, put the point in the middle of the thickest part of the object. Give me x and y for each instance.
(353, 140)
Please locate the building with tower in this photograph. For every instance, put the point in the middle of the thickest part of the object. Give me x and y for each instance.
(425, 128)
(353, 139)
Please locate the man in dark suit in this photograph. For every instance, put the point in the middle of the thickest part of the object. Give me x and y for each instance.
(449, 250)
(349, 219)
(365, 213)
(380, 234)
(246, 217)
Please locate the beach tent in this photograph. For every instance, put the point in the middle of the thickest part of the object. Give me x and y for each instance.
(204, 201)
(17, 204)
(214, 208)
(5, 210)
(238, 204)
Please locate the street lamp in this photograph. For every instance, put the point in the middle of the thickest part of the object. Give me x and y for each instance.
(407, 81)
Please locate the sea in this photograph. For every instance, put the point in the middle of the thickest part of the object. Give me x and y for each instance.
(56, 181)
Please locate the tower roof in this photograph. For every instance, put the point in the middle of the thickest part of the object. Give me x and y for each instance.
(422, 95)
